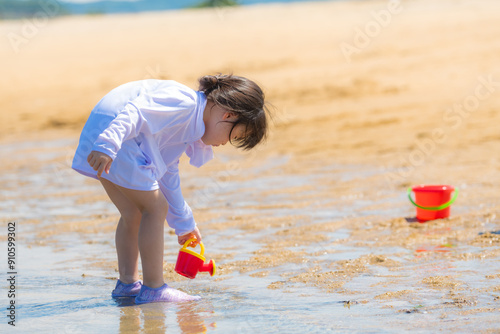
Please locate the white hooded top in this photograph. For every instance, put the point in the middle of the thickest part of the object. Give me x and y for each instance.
(148, 124)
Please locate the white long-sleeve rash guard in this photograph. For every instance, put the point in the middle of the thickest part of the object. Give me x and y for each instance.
(157, 120)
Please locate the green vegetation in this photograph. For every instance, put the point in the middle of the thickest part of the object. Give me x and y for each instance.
(216, 3)
(95, 13)
(16, 9)
(19, 9)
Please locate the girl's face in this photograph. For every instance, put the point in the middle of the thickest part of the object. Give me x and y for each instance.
(218, 125)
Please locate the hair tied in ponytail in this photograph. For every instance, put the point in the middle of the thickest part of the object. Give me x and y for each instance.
(209, 83)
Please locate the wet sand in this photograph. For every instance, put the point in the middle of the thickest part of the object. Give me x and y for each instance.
(311, 231)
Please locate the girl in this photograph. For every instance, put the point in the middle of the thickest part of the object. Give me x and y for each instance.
(132, 143)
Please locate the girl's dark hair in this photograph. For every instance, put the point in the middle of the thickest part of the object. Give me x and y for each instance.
(245, 99)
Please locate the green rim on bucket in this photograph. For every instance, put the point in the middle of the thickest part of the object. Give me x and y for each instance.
(434, 208)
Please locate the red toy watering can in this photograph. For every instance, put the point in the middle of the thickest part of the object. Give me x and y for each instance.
(189, 263)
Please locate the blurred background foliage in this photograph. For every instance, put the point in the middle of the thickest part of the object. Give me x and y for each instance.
(17, 9)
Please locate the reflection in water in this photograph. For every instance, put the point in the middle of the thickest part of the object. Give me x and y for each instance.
(189, 320)
(130, 321)
(153, 317)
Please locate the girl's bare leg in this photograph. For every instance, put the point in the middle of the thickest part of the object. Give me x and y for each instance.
(141, 231)
(127, 231)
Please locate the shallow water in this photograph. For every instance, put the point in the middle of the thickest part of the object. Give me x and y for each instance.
(297, 251)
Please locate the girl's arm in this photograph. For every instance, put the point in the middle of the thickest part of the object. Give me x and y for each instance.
(179, 216)
(128, 124)
(155, 110)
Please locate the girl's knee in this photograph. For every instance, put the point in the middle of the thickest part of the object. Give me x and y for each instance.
(158, 210)
(131, 218)
(158, 206)
(164, 206)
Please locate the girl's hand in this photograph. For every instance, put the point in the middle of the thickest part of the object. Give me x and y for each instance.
(195, 234)
(100, 162)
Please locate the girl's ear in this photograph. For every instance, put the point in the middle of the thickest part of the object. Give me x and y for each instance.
(229, 116)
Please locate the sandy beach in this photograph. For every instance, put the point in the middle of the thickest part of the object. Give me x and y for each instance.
(361, 81)
(369, 98)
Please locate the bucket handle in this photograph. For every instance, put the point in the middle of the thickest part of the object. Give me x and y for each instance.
(434, 208)
(202, 250)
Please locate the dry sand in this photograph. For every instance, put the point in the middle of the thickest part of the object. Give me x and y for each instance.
(417, 102)
(417, 95)
(391, 101)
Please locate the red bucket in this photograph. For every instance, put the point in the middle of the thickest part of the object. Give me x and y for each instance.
(433, 201)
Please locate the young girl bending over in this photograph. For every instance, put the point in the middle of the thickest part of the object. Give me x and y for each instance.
(132, 143)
